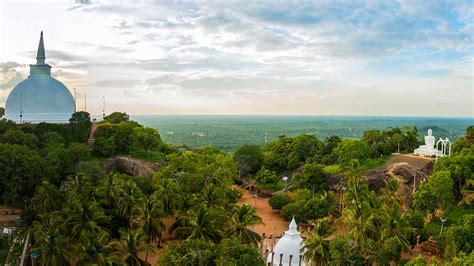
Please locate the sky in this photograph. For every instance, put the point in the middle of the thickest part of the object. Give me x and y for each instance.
(400, 58)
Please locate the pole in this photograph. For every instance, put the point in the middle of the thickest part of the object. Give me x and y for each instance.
(75, 100)
(85, 102)
(103, 107)
(21, 108)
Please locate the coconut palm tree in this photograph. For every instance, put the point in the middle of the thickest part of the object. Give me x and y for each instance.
(205, 223)
(79, 187)
(127, 249)
(316, 248)
(46, 198)
(167, 192)
(330, 200)
(395, 225)
(241, 218)
(84, 217)
(50, 243)
(128, 201)
(390, 196)
(109, 190)
(150, 214)
(93, 249)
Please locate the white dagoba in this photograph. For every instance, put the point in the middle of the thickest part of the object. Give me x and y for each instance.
(429, 148)
(289, 245)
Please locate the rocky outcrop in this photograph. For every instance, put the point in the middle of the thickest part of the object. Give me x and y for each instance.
(130, 166)
(409, 170)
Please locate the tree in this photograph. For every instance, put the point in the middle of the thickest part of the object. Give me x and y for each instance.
(313, 177)
(104, 146)
(278, 201)
(2, 111)
(417, 261)
(93, 249)
(81, 118)
(46, 199)
(316, 248)
(50, 243)
(232, 252)
(265, 176)
(117, 117)
(150, 216)
(204, 223)
(389, 192)
(350, 149)
(146, 138)
(128, 248)
(436, 192)
(21, 170)
(167, 191)
(17, 136)
(249, 158)
(188, 252)
(343, 253)
(242, 218)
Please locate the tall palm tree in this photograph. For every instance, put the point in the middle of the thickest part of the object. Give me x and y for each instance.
(79, 187)
(361, 225)
(331, 201)
(315, 249)
(45, 199)
(93, 249)
(84, 217)
(205, 223)
(128, 201)
(167, 191)
(150, 216)
(109, 190)
(395, 225)
(390, 196)
(127, 249)
(241, 218)
(50, 243)
(213, 196)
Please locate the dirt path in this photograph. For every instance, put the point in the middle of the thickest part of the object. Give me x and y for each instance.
(273, 221)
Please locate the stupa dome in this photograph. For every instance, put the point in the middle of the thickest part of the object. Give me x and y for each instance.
(40, 98)
(289, 245)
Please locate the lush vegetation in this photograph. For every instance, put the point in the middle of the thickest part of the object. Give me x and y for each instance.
(78, 214)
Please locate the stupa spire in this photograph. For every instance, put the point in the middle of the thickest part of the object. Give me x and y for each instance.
(40, 56)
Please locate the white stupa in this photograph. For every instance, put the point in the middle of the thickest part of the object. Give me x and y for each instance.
(40, 97)
(288, 246)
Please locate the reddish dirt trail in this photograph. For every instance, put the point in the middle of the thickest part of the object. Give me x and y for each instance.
(273, 221)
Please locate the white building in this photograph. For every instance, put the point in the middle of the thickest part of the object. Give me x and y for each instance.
(287, 248)
(40, 97)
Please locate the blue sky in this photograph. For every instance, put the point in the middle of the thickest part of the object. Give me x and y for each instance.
(406, 58)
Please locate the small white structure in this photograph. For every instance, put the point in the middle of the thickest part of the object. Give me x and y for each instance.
(430, 149)
(287, 249)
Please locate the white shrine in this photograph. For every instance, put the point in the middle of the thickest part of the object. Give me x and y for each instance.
(287, 250)
(431, 147)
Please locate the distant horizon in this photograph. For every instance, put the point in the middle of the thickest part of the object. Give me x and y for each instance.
(303, 115)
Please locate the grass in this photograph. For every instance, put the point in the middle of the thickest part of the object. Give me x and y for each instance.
(271, 187)
(364, 166)
(373, 163)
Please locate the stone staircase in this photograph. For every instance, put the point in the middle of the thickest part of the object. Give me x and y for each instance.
(90, 139)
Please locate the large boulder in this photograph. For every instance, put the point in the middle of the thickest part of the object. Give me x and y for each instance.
(409, 170)
(130, 166)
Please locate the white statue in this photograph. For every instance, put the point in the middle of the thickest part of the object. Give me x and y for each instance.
(429, 148)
